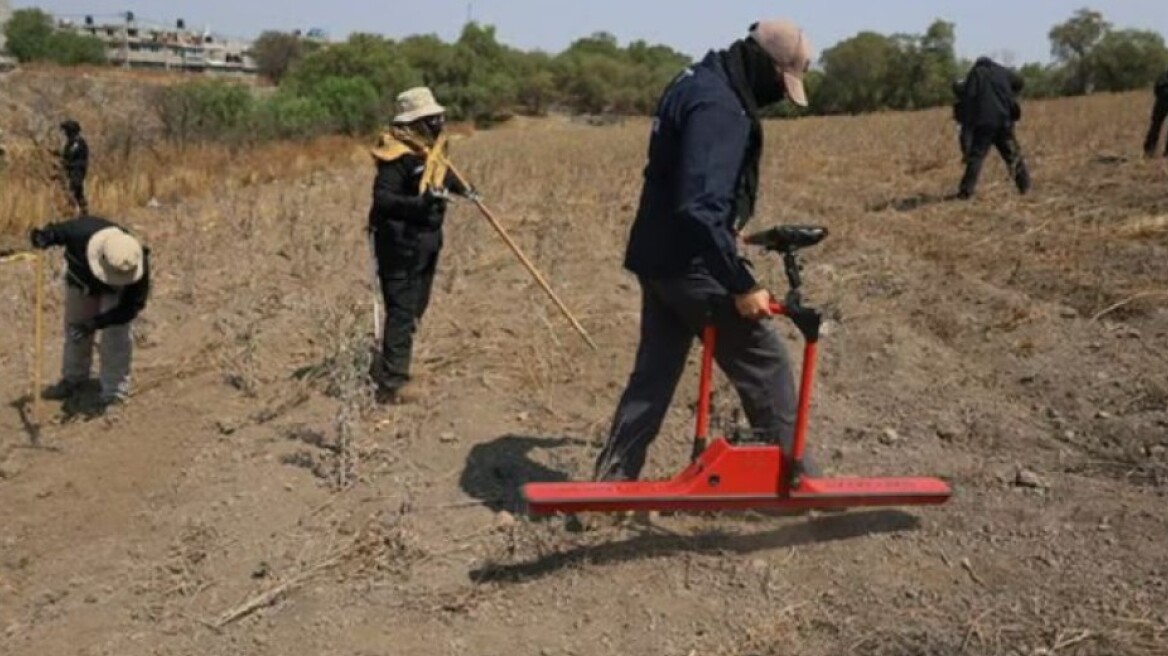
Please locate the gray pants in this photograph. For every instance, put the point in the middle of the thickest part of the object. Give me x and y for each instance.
(117, 345)
(750, 353)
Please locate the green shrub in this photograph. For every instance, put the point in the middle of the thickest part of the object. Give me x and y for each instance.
(352, 103)
(206, 110)
(288, 116)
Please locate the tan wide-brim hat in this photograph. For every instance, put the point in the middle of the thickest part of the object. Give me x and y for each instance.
(115, 258)
(417, 103)
(785, 42)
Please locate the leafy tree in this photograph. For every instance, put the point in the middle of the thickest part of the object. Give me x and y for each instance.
(428, 55)
(352, 104)
(535, 91)
(32, 36)
(1127, 59)
(285, 115)
(275, 53)
(367, 56)
(1042, 81)
(71, 49)
(480, 82)
(205, 110)
(1072, 42)
(855, 71)
(29, 33)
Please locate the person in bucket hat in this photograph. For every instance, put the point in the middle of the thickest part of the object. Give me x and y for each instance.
(410, 192)
(107, 282)
(699, 191)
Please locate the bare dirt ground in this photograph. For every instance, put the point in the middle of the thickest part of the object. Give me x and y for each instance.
(249, 501)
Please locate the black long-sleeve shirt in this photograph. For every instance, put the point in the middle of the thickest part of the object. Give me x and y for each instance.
(989, 98)
(399, 213)
(74, 235)
(75, 157)
(1161, 87)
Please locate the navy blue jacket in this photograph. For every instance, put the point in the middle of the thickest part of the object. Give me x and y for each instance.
(697, 151)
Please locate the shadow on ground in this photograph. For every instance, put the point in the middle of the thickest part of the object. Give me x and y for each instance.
(910, 203)
(656, 545)
(496, 471)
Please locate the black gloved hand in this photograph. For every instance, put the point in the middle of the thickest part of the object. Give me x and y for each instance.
(435, 195)
(39, 239)
(81, 330)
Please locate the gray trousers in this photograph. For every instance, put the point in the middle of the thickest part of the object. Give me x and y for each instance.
(117, 345)
(751, 354)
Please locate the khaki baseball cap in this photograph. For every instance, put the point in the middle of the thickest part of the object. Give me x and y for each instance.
(785, 42)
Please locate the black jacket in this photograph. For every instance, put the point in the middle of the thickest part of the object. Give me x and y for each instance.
(959, 101)
(75, 157)
(989, 99)
(74, 235)
(1161, 88)
(399, 216)
(698, 150)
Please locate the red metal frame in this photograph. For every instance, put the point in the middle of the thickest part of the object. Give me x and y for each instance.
(705, 388)
(725, 476)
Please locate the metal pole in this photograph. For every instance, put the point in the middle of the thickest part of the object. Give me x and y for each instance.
(526, 262)
(377, 325)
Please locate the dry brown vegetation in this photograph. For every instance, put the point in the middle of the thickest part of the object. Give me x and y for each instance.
(250, 500)
(132, 165)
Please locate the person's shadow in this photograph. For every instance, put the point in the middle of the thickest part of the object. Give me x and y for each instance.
(910, 203)
(830, 528)
(496, 471)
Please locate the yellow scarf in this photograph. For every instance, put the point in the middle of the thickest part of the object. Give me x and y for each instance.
(401, 141)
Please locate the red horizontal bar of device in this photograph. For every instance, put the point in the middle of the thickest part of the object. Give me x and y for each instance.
(584, 497)
(728, 477)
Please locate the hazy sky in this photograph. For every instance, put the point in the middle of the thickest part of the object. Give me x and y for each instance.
(995, 27)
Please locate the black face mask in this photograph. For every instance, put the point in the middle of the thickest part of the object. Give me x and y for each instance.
(431, 126)
(761, 74)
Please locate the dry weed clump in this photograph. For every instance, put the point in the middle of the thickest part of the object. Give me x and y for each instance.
(343, 373)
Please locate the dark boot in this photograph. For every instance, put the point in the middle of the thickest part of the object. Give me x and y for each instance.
(405, 394)
(63, 390)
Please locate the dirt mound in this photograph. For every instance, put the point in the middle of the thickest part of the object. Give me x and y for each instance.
(249, 501)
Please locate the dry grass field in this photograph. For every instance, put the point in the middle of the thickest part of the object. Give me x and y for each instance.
(131, 165)
(251, 500)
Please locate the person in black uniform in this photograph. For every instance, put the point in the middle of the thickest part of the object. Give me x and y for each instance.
(989, 111)
(1159, 113)
(75, 163)
(410, 196)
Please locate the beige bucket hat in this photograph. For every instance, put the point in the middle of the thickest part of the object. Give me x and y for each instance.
(115, 258)
(416, 103)
(789, 48)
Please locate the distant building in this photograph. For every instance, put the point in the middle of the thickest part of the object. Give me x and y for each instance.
(138, 44)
